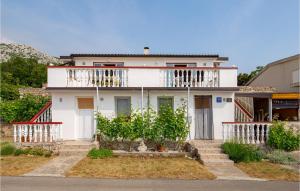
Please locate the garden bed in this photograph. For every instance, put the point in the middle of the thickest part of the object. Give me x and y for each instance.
(141, 167)
(125, 145)
(149, 154)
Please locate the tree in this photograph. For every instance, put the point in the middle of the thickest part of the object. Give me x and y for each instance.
(243, 78)
(23, 72)
(21, 109)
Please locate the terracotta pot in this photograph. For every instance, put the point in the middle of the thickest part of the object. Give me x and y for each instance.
(161, 148)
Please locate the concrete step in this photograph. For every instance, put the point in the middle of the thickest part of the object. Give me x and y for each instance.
(209, 150)
(217, 162)
(206, 141)
(207, 145)
(213, 156)
(90, 146)
(78, 152)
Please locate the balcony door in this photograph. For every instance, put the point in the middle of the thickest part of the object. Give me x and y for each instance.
(203, 117)
(85, 118)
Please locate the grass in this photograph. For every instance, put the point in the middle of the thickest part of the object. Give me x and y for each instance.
(7, 139)
(18, 165)
(268, 170)
(140, 167)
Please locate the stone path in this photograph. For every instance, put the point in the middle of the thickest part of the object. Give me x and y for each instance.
(56, 167)
(71, 153)
(217, 162)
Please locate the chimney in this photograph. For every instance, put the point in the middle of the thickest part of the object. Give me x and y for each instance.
(146, 51)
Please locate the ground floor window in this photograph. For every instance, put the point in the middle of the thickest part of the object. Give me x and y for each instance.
(165, 101)
(123, 105)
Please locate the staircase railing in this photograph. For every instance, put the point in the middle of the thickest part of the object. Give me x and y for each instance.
(40, 128)
(241, 114)
(246, 132)
(44, 115)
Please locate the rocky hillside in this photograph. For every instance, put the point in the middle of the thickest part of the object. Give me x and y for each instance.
(8, 50)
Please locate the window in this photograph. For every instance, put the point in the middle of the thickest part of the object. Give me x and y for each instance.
(108, 64)
(181, 64)
(123, 106)
(165, 101)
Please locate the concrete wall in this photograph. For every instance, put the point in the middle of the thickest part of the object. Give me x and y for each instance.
(280, 76)
(64, 107)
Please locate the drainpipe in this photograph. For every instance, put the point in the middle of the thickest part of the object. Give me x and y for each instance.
(142, 101)
(97, 109)
(187, 112)
(97, 102)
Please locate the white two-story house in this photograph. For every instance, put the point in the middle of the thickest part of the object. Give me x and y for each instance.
(113, 84)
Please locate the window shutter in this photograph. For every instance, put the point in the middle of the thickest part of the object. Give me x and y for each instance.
(85, 103)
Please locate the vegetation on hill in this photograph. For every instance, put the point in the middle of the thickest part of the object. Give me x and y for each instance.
(21, 66)
(24, 51)
(20, 72)
(243, 78)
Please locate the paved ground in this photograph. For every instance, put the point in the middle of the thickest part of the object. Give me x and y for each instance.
(230, 172)
(83, 184)
(56, 167)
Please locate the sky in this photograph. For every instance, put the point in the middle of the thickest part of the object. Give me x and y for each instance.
(250, 32)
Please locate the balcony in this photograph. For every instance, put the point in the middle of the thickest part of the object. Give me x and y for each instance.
(78, 76)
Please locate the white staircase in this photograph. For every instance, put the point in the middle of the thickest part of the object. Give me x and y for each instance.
(210, 152)
(217, 162)
(71, 148)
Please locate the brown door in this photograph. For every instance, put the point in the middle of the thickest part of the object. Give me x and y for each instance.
(203, 117)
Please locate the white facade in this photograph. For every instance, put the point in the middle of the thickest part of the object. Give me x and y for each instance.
(66, 84)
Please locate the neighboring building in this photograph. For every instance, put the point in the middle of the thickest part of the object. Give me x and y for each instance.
(282, 75)
(113, 83)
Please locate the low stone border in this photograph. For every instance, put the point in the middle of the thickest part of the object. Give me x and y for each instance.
(149, 154)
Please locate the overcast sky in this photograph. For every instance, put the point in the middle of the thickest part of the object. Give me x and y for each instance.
(249, 32)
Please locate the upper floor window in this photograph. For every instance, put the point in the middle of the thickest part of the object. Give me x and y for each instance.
(113, 64)
(181, 64)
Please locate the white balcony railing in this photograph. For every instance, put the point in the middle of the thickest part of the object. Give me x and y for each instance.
(37, 132)
(191, 77)
(109, 77)
(246, 132)
(86, 76)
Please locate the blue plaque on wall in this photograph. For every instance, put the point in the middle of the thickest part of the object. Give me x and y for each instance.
(219, 99)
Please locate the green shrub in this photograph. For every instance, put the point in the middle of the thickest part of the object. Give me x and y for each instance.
(47, 153)
(282, 157)
(22, 109)
(7, 149)
(9, 92)
(242, 152)
(158, 127)
(99, 153)
(36, 151)
(281, 138)
(19, 152)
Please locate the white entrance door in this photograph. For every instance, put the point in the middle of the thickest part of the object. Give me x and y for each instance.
(86, 120)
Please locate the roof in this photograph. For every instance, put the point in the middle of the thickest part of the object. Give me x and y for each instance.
(148, 55)
(281, 61)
